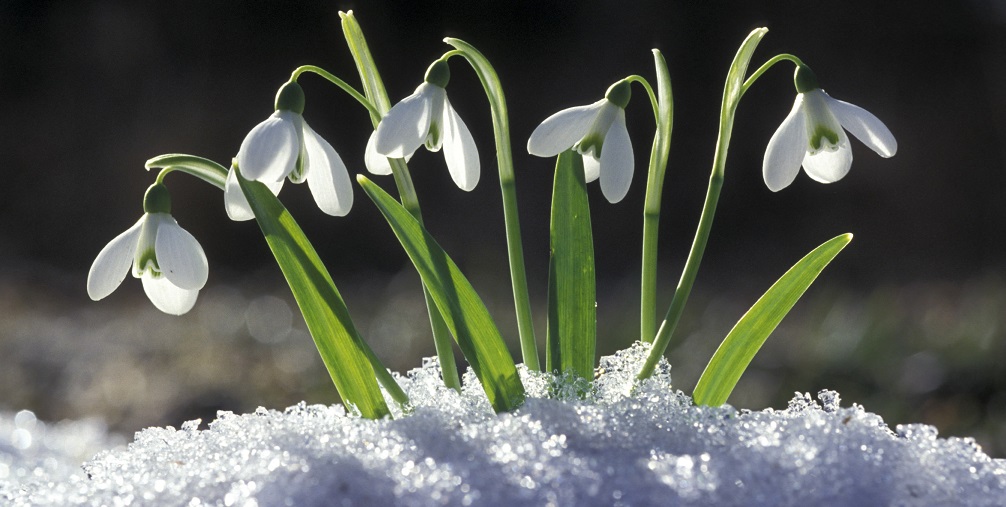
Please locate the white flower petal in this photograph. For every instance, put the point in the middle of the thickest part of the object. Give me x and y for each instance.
(591, 168)
(376, 163)
(459, 149)
(327, 176)
(616, 160)
(235, 203)
(167, 297)
(270, 150)
(406, 125)
(562, 130)
(786, 149)
(829, 166)
(865, 126)
(112, 263)
(180, 258)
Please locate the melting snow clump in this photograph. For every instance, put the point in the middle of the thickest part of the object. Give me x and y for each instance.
(615, 441)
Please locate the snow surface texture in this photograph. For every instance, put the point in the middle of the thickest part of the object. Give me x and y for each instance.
(615, 443)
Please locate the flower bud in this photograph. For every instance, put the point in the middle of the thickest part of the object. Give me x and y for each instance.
(157, 199)
(438, 74)
(619, 93)
(804, 79)
(290, 97)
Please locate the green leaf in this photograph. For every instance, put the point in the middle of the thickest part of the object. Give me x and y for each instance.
(739, 67)
(748, 335)
(463, 311)
(651, 206)
(373, 87)
(572, 308)
(202, 168)
(340, 345)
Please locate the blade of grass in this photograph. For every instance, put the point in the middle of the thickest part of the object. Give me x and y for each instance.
(340, 345)
(463, 311)
(572, 308)
(746, 338)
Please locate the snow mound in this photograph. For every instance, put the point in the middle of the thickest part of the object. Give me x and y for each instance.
(613, 442)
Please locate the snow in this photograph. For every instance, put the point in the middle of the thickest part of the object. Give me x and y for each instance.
(615, 442)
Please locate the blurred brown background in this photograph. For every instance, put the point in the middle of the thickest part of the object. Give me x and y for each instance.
(908, 321)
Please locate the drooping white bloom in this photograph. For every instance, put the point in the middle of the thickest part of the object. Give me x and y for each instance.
(813, 135)
(165, 257)
(285, 146)
(426, 117)
(597, 132)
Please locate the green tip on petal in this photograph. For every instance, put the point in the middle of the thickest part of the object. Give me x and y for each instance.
(804, 79)
(619, 93)
(818, 137)
(290, 97)
(438, 74)
(157, 199)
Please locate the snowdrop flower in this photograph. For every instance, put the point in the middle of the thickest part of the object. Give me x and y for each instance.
(284, 145)
(813, 135)
(166, 258)
(426, 117)
(597, 132)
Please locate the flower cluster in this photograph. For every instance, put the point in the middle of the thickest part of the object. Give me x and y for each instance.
(284, 147)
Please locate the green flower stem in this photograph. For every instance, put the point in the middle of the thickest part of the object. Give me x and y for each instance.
(654, 103)
(337, 82)
(732, 92)
(202, 168)
(504, 158)
(663, 111)
(379, 105)
(768, 65)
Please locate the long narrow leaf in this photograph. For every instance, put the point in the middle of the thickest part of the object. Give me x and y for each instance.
(340, 345)
(748, 335)
(463, 311)
(572, 309)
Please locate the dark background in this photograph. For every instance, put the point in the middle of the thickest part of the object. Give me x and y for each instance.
(90, 90)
